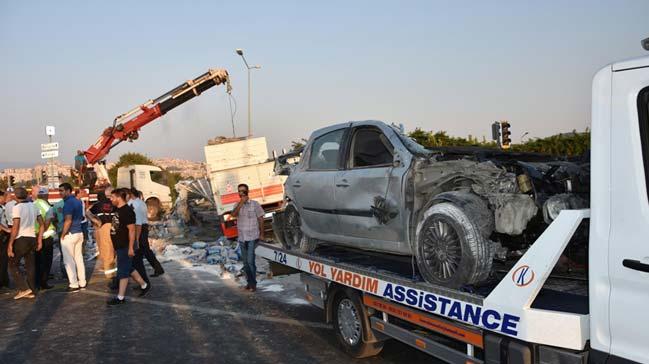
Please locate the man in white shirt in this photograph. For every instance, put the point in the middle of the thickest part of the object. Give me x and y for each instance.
(142, 236)
(23, 242)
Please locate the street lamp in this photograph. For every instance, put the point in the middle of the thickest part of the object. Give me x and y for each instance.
(248, 67)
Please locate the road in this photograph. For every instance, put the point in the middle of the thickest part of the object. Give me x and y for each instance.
(190, 315)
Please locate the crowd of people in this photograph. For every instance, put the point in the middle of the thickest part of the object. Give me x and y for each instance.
(30, 227)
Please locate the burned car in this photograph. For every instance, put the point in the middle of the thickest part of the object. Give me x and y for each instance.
(367, 185)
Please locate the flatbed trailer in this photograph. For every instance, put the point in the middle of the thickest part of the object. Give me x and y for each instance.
(370, 298)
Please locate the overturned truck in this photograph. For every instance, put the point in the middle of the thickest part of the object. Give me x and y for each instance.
(455, 209)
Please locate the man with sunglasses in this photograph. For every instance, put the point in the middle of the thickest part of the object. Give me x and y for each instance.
(250, 228)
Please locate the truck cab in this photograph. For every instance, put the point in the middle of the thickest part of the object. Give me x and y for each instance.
(146, 178)
(619, 226)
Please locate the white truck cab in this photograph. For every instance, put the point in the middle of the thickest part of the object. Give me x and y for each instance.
(143, 178)
(619, 226)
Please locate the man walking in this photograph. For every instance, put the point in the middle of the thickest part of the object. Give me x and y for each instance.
(123, 238)
(23, 242)
(142, 235)
(72, 239)
(250, 228)
(101, 215)
(44, 256)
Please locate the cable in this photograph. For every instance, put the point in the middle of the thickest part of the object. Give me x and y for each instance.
(233, 111)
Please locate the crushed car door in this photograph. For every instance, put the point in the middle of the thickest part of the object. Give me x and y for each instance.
(368, 191)
(313, 186)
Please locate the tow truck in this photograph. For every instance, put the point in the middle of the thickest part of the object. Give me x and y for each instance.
(126, 127)
(530, 313)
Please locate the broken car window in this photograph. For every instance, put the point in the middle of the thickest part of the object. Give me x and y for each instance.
(370, 148)
(325, 150)
(410, 144)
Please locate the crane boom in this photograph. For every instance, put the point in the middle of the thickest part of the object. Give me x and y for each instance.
(127, 125)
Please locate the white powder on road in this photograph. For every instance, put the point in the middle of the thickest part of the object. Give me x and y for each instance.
(273, 288)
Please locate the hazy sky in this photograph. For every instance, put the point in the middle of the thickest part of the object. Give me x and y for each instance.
(438, 65)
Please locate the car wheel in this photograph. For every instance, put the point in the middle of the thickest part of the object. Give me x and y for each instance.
(451, 251)
(294, 238)
(352, 326)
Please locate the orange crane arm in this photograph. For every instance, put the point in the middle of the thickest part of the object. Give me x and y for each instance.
(126, 126)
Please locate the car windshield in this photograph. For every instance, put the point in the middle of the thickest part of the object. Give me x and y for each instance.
(412, 146)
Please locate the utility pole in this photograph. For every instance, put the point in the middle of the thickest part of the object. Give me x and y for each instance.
(248, 67)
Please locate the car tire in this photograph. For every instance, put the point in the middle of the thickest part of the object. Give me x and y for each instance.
(294, 238)
(451, 251)
(352, 326)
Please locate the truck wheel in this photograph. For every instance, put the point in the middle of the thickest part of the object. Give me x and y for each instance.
(294, 238)
(352, 326)
(451, 251)
(154, 209)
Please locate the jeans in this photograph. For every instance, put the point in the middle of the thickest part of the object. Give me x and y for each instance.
(23, 247)
(138, 265)
(248, 255)
(124, 263)
(147, 252)
(44, 261)
(72, 244)
(4, 260)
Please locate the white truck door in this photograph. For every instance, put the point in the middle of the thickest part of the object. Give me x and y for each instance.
(629, 235)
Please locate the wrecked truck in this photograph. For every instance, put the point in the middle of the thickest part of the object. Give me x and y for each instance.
(367, 185)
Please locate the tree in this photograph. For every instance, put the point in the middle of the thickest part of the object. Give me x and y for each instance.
(564, 145)
(298, 143)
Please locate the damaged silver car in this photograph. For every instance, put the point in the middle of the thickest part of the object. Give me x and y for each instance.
(366, 185)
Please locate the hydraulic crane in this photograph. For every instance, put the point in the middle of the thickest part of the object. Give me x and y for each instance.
(126, 126)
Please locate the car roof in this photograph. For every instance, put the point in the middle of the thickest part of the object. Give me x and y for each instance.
(347, 124)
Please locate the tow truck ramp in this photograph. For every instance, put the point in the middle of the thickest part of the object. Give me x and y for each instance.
(505, 326)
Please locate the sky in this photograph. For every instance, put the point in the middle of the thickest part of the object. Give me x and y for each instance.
(437, 65)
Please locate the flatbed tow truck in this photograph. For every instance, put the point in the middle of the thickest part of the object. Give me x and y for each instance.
(528, 314)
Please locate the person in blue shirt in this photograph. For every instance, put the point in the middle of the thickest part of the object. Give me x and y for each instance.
(72, 239)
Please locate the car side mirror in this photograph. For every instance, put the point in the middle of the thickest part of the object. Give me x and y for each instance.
(396, 162)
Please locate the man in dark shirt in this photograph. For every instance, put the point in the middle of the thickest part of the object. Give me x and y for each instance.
(123, 237)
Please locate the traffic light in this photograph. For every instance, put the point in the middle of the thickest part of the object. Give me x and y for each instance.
(12, 180)
(504, 125)
(495, 131)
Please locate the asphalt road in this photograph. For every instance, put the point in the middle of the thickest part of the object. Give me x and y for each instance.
(190, 315)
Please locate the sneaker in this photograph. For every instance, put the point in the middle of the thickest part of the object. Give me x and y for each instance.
(83, 288)
(157, 274)
(144, 291)
(73, 289)
(253, 289)
(115, 301)
(31, 295)
(22, 294)
(46, 286)
(247, 287)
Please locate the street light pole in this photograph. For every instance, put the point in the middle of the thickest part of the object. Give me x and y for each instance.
(248, 67)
